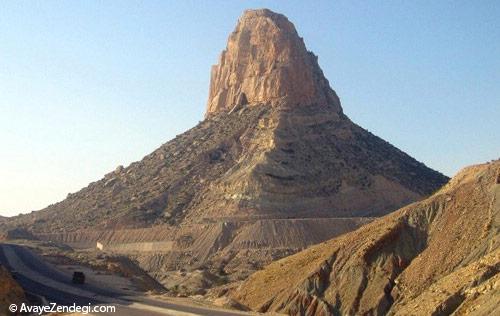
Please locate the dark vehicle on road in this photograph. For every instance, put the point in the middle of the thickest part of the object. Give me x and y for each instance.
(78, 277)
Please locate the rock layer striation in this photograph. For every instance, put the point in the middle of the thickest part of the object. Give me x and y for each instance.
(440, 256)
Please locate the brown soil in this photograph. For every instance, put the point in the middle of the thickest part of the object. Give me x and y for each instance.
(10, 292)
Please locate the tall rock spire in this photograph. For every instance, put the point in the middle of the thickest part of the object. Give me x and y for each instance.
(267, 62)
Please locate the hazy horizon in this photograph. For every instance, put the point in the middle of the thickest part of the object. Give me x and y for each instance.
(88, 86)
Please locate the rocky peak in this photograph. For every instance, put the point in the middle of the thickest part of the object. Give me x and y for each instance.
(267, 62)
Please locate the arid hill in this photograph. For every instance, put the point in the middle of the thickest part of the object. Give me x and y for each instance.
(435, 257)
(10, 292)
(275, 167)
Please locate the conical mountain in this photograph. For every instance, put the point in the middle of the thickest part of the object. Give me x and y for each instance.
(274, 167)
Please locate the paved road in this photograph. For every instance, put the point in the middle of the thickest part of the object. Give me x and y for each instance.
(40, 278)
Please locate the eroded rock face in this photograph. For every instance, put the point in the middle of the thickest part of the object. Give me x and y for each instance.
(439, 256)
(267, 62)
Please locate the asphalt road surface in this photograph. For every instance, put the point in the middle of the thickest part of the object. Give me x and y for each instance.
(42, 279)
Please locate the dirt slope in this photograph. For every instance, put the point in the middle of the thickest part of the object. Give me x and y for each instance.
(433, 257)
(10, 292)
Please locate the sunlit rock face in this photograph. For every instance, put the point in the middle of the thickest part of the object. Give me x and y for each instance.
(267, 62)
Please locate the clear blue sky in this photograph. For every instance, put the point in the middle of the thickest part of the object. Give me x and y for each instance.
(89, 85)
